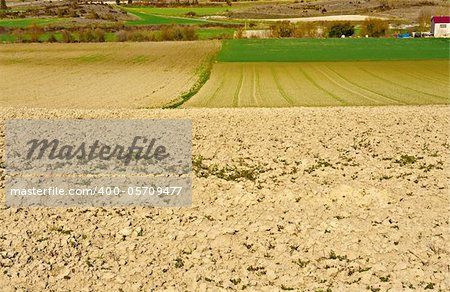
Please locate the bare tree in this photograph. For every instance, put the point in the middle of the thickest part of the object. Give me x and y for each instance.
(424, 18)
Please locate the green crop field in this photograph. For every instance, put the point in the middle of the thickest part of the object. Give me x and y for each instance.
(304, 50)
(182, 11)
(10, 38)
(199, 11)
(28, 21)
(325, 84)
(147, 18)
(327, 72)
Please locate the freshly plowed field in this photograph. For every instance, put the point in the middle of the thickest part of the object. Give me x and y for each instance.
(113, 75)
(325, 84)
(346, 199)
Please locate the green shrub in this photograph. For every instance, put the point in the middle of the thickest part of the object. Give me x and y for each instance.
(35, 32)
(67, 37)
(283, 29)
(177, 33)
(121, 36)
(189, 34)
(86, 36)
(306, 30)
(136, 36)
(373, 27)
(99, 35)
(52, 38)
(337, 30)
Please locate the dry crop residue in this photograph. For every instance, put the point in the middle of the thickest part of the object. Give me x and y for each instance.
(305, 199)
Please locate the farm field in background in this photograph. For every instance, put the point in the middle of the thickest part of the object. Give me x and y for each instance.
(161, 74)
(182, 11)
(324, 84)
(20, 23)
(149, 19)
(108, 75)
(199, 11)
(297, 50)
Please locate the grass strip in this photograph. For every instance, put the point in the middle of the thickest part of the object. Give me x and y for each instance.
(205, 72)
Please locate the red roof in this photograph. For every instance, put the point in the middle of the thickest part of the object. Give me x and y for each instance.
(441, 19)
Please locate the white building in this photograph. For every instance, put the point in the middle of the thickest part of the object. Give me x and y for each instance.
(440, 26)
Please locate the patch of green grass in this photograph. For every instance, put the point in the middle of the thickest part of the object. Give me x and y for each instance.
(24, 22)
(7, 38)
(301, 263)
(334, 256)
(303, 50)
(320, 164)
(10, 38)
(182, 11)
(429, 286)
(385, 278)
(149, 19)
(235, 281)
(61, 229)
(407, 159)
(204, 74)
(179, 263)
(226, 172)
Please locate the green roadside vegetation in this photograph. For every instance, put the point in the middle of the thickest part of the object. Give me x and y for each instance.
(25, 22)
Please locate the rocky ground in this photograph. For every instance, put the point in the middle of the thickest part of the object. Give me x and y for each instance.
(406, 10)
(307, 199)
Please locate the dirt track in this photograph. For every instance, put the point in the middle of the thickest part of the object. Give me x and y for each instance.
(346, 198)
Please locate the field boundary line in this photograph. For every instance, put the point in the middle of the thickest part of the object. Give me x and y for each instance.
(279, 87)
(237, 93)
(376, 101)
(405, 87)
(366, 89)
(222, 82)
(254, 85)
(321, 88)
(332, 80)
(424, 77)
(205, 73)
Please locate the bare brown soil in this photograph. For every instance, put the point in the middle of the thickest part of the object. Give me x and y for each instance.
(108, 75)
(342, 198)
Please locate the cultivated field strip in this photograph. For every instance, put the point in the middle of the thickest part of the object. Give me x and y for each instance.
(118, 75)
(325, 84)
